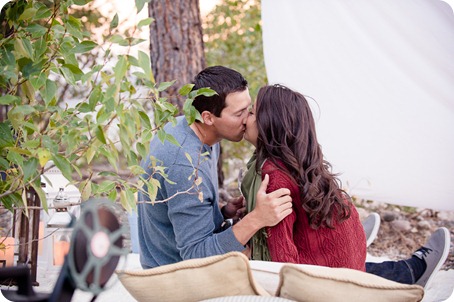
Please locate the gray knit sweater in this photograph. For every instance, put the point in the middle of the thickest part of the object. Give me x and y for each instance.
(184, 227)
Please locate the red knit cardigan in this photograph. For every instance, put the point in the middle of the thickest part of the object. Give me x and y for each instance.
(293, 240)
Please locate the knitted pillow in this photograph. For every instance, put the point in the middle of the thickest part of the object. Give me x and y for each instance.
(318, 283)
(193, 280)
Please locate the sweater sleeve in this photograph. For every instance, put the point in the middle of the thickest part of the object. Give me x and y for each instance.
(280, 237)
(192, 220)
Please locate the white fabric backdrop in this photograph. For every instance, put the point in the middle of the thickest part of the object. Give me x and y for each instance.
(382, 77)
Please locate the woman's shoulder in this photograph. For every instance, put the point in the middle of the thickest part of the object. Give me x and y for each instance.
(271, 165)
(275, 168)
(279, 177)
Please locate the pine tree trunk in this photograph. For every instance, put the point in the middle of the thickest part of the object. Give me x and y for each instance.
(176, 43)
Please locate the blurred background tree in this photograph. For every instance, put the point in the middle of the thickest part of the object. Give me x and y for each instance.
(176, 44)
(232, 33)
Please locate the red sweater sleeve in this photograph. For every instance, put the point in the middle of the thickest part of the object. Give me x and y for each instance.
(280, 237)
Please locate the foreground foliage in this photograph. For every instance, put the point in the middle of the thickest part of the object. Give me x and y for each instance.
(43, 51)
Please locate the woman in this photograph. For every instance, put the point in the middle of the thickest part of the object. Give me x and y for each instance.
(324, 227)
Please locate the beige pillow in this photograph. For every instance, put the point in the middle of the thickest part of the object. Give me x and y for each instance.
(318, 283)
(266, 273)
(193, 280)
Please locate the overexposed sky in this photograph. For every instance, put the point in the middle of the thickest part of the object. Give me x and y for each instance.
(127, 9)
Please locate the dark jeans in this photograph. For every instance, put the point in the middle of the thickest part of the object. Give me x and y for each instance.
(398, 271)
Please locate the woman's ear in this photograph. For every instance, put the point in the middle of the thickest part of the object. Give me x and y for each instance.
(207, 118)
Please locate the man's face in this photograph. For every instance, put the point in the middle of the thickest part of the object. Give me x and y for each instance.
(232, 122)
(251, 133)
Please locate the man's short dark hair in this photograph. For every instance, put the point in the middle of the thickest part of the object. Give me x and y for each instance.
(221, 79)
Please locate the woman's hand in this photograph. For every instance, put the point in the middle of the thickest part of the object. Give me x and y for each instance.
(234, 209)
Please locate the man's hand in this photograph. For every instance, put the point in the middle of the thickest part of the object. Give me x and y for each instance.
(234, 209)
(274, 206)
(269, 210)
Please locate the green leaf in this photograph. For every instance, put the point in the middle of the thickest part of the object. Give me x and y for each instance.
(164, 85)
(28, 13)
(84, 108)
(43, 12)
(74, 69)
(9, 99)
(144, 62)
(68, 75)
(161, 135)
(86, 189)
(111, 157)
(120, 69)
(137, 170)
(152, 187)
(142, 150)
(118, 39)
(106, 186)
(113, 195)
(133, 61)
(42, 196)
(188, 157)
(172, 140)
(30, 168)
(114, 22)
(145, 120)
(99, 132)
(20, 49)
(140, 4)
(95, 97)
(108, 174)
(6, 137)
(12, 200)
(23, 109)
(20, 151)
(81, 2)
(49, 91)
(185, 89)
(31, 144)
(38, 81)
(91, 151)
(43, 156)
(84, 46)
(145, 22)
(131, 199)
(36, 30)
(4, 164)
(64, 165)
(202, 91)
(190, 112)
(124, 201)
(74, 28)
(14, 157)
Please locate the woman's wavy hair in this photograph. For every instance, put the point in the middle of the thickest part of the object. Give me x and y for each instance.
(286, 132)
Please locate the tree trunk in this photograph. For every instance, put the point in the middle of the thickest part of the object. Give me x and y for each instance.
(176, 44)
(176, 47)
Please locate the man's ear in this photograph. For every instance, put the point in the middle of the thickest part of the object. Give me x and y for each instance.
(207, 118)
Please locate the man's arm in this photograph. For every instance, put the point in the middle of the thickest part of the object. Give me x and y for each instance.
(195, 222)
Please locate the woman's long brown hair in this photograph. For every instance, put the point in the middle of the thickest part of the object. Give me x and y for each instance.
(286, 132)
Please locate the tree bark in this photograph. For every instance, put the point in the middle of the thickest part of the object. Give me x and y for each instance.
(176, 44)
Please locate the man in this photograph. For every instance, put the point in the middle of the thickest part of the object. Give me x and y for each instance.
(189, 224)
